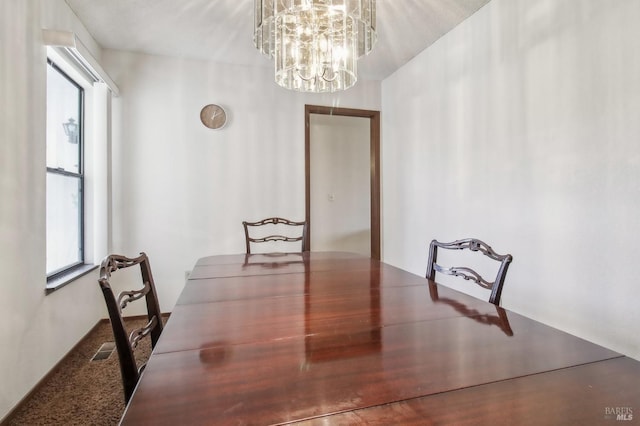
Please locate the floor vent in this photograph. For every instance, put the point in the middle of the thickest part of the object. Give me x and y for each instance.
(104, 351)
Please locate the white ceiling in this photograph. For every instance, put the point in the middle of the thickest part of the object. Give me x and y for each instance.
(222, 30)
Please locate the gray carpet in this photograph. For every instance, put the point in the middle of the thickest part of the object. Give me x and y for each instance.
(82, 391)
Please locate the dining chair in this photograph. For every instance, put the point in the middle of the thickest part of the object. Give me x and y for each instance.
(127, 341)
(467, 273)
(275, 229)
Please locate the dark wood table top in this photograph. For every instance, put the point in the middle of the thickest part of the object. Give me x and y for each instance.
(336, 338)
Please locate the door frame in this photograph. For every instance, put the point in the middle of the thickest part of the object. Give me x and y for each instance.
(374, 149)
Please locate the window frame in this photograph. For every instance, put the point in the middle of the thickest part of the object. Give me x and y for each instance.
(56, 277)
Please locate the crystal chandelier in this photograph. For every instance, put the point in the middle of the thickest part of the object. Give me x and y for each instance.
(315, 44)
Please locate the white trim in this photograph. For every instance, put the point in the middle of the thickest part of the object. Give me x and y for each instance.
(68, 44)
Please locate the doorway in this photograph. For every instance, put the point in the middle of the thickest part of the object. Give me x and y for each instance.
(373, 118)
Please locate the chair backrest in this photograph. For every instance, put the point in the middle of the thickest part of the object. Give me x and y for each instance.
(467, 273)
(126, 341)
(286, 230)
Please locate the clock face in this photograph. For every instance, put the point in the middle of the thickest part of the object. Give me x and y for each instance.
(213, 116)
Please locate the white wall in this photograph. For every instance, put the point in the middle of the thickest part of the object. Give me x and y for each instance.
(520, 127)
(37, 330)
(181, 190)
(340, 183)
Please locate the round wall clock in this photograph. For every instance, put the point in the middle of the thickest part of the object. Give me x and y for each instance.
(213, 116)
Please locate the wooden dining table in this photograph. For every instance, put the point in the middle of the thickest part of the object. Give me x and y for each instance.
(334, 338)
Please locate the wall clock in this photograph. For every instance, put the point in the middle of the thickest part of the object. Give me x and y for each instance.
(213, 116)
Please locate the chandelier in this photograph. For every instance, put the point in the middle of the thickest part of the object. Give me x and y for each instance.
(315, 44)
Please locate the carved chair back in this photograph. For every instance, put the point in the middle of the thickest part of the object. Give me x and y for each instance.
(275, 229)
(126, 341)
(467, 273)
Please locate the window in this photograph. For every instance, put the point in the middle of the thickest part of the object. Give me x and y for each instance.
(65, 179)
(78, 137)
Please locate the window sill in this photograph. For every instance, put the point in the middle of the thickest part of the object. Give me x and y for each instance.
(60, 281)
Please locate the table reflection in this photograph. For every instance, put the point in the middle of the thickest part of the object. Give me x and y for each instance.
(354, 338)
(272, 260)
(500, 320)
(215, 354)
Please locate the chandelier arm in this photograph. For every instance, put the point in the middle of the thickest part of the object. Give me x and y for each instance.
(302, 77)
(324, 72)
